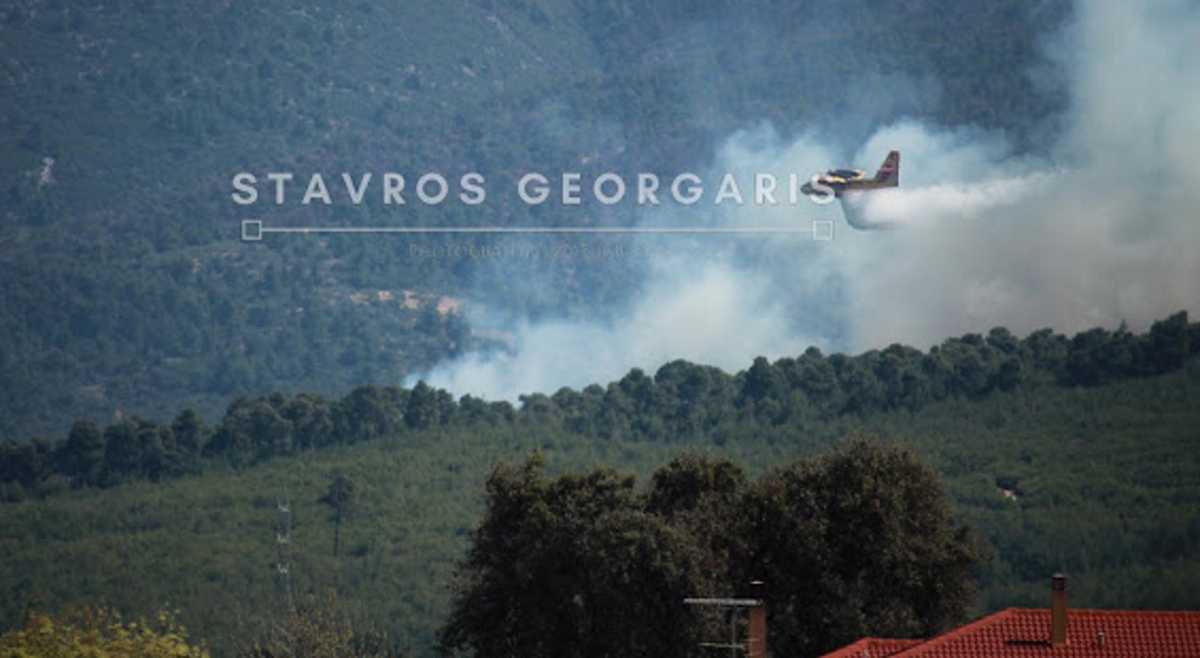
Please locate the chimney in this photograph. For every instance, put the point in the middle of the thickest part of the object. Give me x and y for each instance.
(1058, 610)
(756, 643)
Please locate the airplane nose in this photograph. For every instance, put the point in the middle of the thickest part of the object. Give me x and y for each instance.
(807, 189)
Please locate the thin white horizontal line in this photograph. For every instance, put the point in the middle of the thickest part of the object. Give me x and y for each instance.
(740, 603)
(534, 229)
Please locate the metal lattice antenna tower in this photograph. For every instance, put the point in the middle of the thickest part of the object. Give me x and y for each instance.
(283, 546)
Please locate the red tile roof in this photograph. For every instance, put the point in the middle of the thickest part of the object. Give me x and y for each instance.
(1025, 633)
(873, 647)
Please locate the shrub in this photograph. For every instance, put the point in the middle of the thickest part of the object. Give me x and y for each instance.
(94, 632)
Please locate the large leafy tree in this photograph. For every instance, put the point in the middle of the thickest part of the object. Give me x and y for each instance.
(858, 542)
(123, 450)
(572, 567)
(190, 433)
(83, 454)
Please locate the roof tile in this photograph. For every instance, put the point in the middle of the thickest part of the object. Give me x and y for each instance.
(1025, 633)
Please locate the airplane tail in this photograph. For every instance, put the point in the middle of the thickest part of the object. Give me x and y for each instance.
(889, 172)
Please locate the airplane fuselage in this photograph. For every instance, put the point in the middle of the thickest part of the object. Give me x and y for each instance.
(838, 181)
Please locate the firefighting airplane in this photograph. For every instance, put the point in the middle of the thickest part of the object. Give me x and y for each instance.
(846, 184)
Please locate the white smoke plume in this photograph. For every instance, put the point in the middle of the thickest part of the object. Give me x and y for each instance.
(902, 208)
(714, 315)
(1110, 237)
(1103, 230)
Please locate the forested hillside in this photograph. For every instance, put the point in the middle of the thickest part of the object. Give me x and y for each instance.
(1086, 463)
(124, 287)
(681, 403)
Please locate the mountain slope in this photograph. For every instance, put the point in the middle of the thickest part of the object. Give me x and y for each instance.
(126, 289)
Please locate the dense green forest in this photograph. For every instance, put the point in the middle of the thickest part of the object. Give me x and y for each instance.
(682, 402)
(1086, 462)
(125, 289)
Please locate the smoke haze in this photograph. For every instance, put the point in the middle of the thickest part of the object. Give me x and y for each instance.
(1100, 228)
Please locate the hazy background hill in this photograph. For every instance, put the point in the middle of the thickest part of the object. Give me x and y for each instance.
(126, 289)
